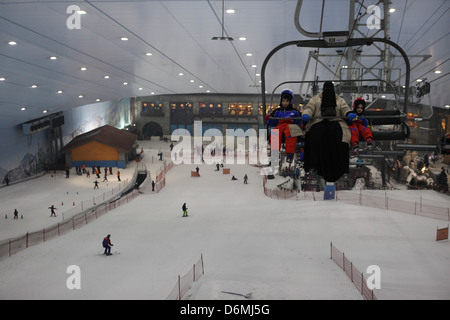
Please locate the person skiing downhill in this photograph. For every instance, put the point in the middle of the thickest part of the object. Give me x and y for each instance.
(107, 245)
(184, 208)
(52, 209)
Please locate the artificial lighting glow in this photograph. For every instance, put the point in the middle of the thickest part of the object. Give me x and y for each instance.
(83, 68)
(23, 109)
(200, 87)
(152, 92)
(191, 80)
(106, 77)
(34, 86)
(230, 11)
(12, 43)
(419, 80)
(249, 54)
(59, 91)
(242, 38)
(208, 91)
(124, 39)
(97, 100)
(53, 58)
(45, 111)
(383, 96)
(148, 54)
(80, 96)
(258, 75)
(140, 89)
(254, 65)
(2, 79)
(180, 74)
(447, 106)
(81, 12)
(125, 83)
(391, 10)
(438, 71)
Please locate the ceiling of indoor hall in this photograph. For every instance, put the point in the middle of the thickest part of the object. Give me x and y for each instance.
(169, 48)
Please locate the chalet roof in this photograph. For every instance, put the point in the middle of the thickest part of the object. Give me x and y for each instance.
(122, 140)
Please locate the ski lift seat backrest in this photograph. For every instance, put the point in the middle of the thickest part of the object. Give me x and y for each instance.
(384, 117)
(388, 117)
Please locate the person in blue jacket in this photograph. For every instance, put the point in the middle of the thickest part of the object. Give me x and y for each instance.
(282, 119)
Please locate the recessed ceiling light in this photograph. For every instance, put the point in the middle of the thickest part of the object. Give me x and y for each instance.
(83, 68)
(34, 86)
(60, 91)
(2, 79)
(191, 80)
(249, 54)
(208, 91)
(148, 54)
(124, 39)
(53, 58)
(80, 96)
(152, 92)
(242, 38)
(447, 106)
(254, 66)
(23, 109)
(45, 111)
(419, 80)
(97, 100)
(12, 43)
(81, 12)
(230, 11)
(438, 71)
(392, 10)
(106, 77)
(125, 83)
(140, 89)
(180, 74)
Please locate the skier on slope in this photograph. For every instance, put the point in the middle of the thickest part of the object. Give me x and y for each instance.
(52, 209)
(287, 127)
(107, 245)
(184, 208)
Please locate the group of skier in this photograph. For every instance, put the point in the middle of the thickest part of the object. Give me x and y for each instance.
(329, 127)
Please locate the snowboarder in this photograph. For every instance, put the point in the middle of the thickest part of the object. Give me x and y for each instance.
(184, 208)
(233, 178)
(52, 209)
(107, 245)
(360, 126)
(245, 179)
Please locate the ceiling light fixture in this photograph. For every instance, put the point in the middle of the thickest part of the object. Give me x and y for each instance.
(34, 86)
(53, 58)
(23, 109)
(2, 79)
(106, 77)
(124, 39)
(83, 68)
(223, 28)
(12, 43)
(148, 54)
(438, 71)
(242, 38)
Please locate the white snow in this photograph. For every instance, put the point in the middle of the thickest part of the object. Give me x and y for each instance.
(274, 249)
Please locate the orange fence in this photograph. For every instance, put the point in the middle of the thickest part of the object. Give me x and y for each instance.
(353, 273)
(184, 282)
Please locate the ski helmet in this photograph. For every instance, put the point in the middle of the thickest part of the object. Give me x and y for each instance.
(287, 94)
